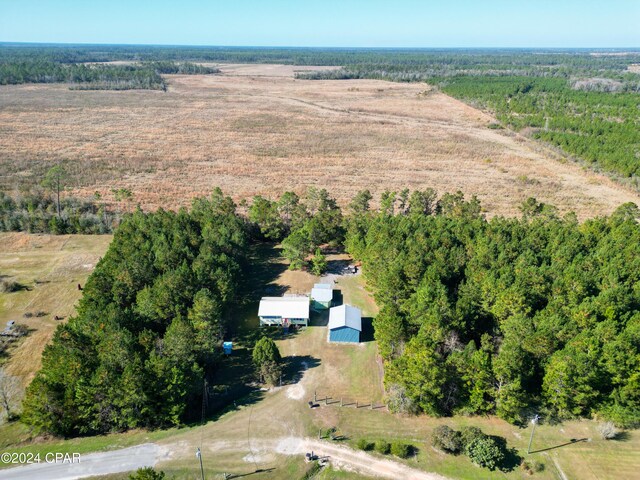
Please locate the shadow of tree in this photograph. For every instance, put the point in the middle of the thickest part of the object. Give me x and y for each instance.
(295, 366)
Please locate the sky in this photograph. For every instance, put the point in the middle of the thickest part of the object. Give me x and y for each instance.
(326, 23)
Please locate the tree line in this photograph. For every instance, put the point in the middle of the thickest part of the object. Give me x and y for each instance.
(37, 212)
(496, 59)
(96, 76)
(600, 128)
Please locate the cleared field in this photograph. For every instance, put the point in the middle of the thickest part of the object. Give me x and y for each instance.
(256, 130)
(50, 268)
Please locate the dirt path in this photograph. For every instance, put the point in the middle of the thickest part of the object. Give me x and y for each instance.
(340, 456)
(345, 458)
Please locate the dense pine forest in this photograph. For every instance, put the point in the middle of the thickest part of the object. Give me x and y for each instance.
(509, 316)
(585, 120)
(538, 314)
(148, 327)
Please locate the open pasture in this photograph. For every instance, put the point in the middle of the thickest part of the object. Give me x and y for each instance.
(257, 130)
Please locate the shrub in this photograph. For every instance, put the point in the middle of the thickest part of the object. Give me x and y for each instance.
(400, 449)
(608, 430)
(364, 444)
(9, 286)
(485, 452)
(532, 466)
(469, 434)
(146, 473)
(447, 439)
(382, 447)
(312, 471)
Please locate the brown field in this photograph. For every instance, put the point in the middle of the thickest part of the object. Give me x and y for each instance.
(50, 267)
(257, 130)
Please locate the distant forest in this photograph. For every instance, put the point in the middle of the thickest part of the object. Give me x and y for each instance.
(46, 67)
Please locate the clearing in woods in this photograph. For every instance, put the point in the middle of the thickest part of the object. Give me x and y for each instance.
(257, 130)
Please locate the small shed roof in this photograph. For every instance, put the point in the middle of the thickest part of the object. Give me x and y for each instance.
(322, 292)
(285, 307)
(345, 316)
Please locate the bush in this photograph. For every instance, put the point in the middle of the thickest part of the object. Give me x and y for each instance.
(608, 430)
(146, 473)
(9, 286)
(532, 466)
(469, 434)
(447, 439)
(312, 471)
(485, 452)
(400, 449)
(364, 444)
(382, 447)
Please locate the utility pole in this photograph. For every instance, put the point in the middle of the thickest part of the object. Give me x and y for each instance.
(199, 455)
(534, 421)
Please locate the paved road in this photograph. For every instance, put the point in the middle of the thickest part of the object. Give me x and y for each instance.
(123, 460)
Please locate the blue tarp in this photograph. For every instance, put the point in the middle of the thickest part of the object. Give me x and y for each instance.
(227, 347)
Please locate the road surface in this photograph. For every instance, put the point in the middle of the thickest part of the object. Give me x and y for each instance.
(123, 460)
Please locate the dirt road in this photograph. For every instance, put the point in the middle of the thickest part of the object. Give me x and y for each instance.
(345, 458)
(149, 454)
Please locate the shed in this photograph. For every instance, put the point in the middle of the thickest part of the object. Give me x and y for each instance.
(321, 296)
(285, 311)
(345, 324)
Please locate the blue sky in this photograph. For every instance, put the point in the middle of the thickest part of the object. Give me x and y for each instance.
(331, 23)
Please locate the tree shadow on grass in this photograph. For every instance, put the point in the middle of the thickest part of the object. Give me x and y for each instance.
(295, 366)
(512, 459)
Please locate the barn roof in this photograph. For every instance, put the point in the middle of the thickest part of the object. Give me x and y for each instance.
(345, 316)
(322, 292)
(285, 307)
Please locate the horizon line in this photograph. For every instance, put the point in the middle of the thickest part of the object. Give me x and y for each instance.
(318, 47)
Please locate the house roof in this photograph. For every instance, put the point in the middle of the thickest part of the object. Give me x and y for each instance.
(345, 316)
(285, 307)
(322, 292)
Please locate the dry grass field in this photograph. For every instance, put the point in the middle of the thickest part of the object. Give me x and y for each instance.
(50, 267)
(257, 130)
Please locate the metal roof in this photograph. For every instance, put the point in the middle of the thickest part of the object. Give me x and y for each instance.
(285, 307)
(322, 292)
(345, 316)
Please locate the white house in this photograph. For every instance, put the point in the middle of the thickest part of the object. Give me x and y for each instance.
(285, 311)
